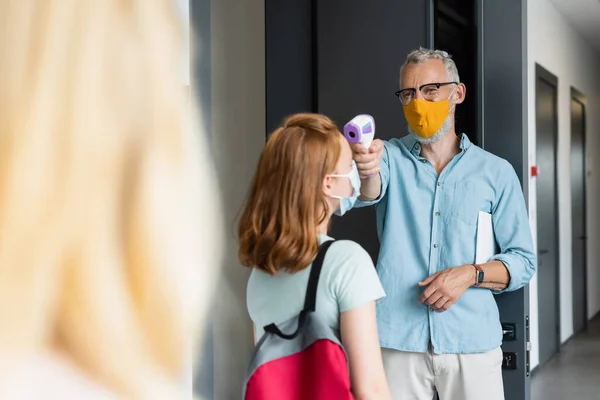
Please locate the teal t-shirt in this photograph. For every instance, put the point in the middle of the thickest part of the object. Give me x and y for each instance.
(348, 280)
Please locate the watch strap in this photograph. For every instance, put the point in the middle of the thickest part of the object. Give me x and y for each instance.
(479, 275)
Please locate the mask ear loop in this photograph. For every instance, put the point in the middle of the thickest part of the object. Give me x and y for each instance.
(338, 176)
(452, 94)
(341, 175)
(452, 104)
(348, 175)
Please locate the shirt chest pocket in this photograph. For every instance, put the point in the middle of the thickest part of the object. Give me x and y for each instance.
(469, 199)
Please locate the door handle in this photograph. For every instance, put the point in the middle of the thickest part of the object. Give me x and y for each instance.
(544, 251)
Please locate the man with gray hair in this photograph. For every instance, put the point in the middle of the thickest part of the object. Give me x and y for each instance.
(439, 325)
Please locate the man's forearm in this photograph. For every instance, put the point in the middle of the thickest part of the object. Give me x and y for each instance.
(370, 188)
(496, 276)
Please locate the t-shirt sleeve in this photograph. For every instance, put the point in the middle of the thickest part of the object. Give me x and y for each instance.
(353, 276)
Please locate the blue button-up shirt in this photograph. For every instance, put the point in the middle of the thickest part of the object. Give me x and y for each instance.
(428, 222)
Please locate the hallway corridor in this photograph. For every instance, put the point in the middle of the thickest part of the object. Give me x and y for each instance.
(574, 373)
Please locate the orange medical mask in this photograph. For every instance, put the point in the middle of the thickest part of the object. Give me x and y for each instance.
(426, 118)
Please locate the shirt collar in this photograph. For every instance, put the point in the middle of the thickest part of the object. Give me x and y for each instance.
(415, 146)
(465, 143)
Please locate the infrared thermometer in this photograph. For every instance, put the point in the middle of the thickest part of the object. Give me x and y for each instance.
(360, 129)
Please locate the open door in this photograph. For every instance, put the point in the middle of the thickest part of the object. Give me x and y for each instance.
(502, 25)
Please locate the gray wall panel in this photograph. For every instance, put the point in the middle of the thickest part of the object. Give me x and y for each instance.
(200, 57)
(361, 46)
(289, 59)
(203, 375)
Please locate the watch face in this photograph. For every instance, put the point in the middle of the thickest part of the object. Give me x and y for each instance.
(480, 277)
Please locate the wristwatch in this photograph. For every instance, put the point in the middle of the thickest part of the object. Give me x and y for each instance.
(479, 275)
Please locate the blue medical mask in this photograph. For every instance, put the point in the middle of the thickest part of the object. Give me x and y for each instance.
(346, 203)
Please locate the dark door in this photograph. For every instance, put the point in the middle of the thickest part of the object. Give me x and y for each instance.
(547, 221)
(578, 211)
(360, 48)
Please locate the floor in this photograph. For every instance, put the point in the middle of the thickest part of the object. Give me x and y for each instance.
(574, 373)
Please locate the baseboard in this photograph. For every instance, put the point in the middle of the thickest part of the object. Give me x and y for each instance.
(584, 329)
(563, 344)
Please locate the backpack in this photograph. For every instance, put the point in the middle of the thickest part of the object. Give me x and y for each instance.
(307, 362)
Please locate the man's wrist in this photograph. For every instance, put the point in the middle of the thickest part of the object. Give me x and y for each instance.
(370, 188)
(473, 279)
(471, 272)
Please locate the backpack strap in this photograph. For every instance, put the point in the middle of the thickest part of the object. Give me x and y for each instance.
(310, 300)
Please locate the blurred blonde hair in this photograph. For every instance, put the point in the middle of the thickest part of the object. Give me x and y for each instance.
(106, 242)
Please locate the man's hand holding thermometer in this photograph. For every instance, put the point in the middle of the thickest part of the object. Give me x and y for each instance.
(367, 153)
(361, 129)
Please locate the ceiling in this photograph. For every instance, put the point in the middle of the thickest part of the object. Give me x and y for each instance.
(584, 17)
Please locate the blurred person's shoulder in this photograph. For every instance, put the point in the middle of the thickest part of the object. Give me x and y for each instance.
(48, 377)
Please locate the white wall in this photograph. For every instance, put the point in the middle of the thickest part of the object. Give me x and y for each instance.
(556, 46)
(238, 136)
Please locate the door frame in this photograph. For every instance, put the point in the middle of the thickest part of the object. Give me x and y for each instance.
(504, 123)
(580, 98)
(543, 74)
